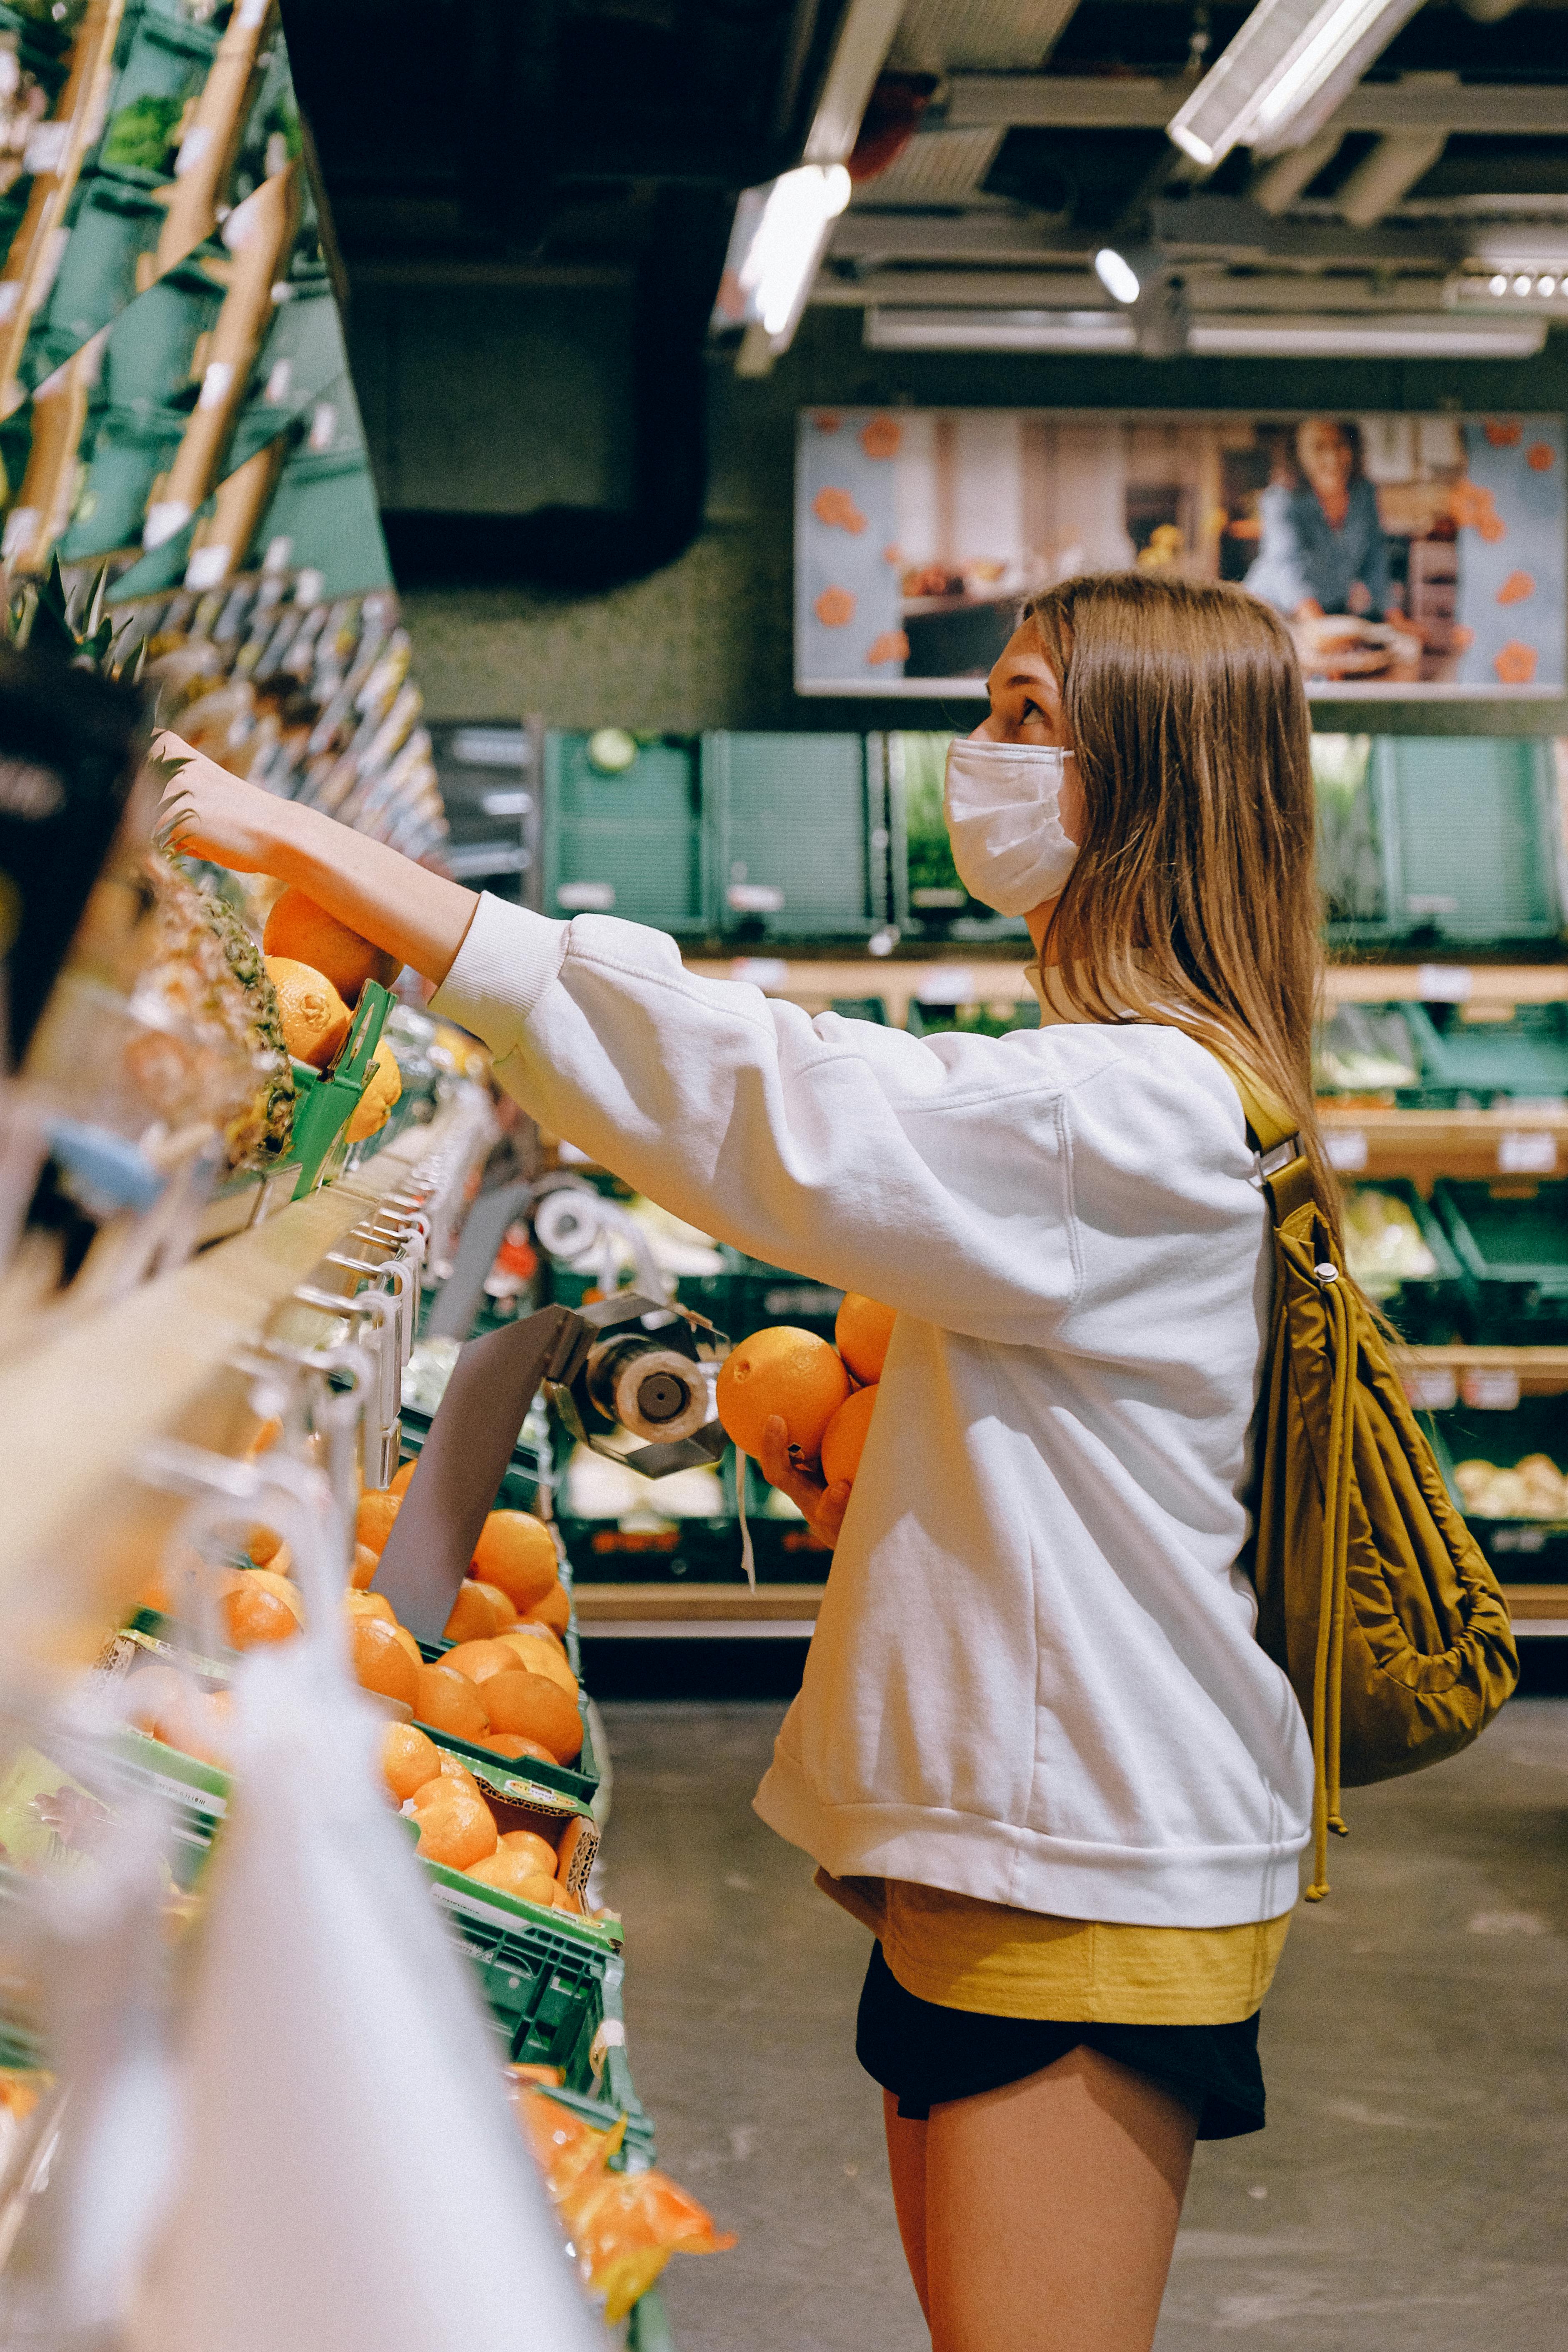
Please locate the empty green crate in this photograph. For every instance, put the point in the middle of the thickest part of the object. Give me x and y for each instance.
(793, 820)
(628, 842)
(1463, 839)
(1513, 1243)
(971, 1020)
(1488, 1061)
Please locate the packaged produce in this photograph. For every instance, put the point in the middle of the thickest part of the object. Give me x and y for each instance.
(1364, 1049)
(1384, 1243)
(622, 2226)
(1535, 1489)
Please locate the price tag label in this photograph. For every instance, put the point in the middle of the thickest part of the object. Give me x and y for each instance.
(1490, 1391)
(1526, 1152)
(947, 983)
(1444, 984)
(760, 972)
(1431, 1391)
(1347, 1150)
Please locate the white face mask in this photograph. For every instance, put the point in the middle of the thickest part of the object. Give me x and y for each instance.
(1003, 817)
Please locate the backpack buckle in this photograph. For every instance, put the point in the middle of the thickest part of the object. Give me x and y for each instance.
(1273, 1163)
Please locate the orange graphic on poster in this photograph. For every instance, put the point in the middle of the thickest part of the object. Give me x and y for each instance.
(828, 422)
(1461, 639)
(893, 556)
(1501, 432)
(1540, 456)
(891, 646)
(1515, 665)
(1516, 588)
(1471, 505)
(834, 608)
(880, 438)
(838, 510)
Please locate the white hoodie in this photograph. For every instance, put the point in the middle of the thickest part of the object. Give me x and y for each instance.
(1034, 1678)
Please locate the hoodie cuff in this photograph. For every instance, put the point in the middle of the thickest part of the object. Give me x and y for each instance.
(508, 958)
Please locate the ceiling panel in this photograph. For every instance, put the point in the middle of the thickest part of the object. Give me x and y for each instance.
(941, 36)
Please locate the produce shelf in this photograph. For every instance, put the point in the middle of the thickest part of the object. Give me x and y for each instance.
(713, 1612)
(1524, 1140)
(1540, 1610)
(1540, 1371)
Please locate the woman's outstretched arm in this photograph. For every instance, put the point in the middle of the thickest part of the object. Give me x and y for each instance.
(417, 916)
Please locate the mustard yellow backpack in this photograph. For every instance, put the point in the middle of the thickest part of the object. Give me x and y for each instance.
(1373, 1594)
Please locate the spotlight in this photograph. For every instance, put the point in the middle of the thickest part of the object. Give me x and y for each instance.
(1117, 275)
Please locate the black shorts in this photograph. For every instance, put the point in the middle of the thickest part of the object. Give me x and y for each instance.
(926, 2055)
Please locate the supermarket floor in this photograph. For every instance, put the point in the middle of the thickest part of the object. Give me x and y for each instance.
(1408, 2189)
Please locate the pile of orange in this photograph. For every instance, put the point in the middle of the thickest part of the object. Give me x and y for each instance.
(456, 1828)
(824, 1395)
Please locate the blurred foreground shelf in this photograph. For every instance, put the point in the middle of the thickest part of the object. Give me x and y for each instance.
(1525, 1139)
(627, 1612)
(1539, 1610)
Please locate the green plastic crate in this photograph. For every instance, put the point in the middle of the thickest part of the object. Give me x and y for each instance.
(579, 1780)
(1426, 1310)
(1490, 1061)
(1465, 829)
(1533, 1551)
(131, 448)
(327, 1100)
(1513, 1243)
(793, 818)
(325, 507)
(115, 222)
(971, 1020)
(631, 842)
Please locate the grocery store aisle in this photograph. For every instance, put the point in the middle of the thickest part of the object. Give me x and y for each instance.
(1406, 2192)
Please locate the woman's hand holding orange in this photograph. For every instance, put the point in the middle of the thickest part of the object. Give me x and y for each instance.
(823, 1506)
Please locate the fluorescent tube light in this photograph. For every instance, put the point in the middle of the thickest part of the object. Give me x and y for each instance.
(999, 331)
(1281, 79)
(1287, 336)
(797, 211)
(1415, 337)
(1117, 275)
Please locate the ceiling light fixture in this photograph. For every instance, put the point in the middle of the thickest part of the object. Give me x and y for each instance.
(1117, 275)
(999, 331)
(1277, 83)
(779, 236)
(1261, 336)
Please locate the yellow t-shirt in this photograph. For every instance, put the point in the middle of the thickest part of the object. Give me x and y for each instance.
(986, 1957)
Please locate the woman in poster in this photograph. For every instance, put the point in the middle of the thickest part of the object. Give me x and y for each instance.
(1323, 549)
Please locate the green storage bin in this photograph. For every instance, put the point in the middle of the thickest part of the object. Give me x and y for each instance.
(793, 818)
(327, 1100)
(130, 449)
(1490, 1061)
(861, 1008)
(152, 344)
(1521, 1551)
(326, 511)
(1426, 1310)
(115, 222)
(628, 844)
(971, 1020)
(1513, 1243)
(1465, 833)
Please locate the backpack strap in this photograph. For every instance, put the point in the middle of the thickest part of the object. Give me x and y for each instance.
(1280, 1167)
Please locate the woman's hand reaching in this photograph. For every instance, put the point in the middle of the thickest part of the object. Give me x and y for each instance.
(823, 1506)
(207, 813)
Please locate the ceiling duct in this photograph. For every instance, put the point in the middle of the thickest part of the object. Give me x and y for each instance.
(1386, 173)
(991, 35)
(1278, 187)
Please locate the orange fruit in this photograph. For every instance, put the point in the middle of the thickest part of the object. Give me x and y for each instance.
(554, 1610)
(268, 1433)
(408, 1759)
(154, 1596)
(538, 1654)
(475, 1617)
(862, 1332)
(528, 1631)
(366, 1562)
(369, 1604)
(516, 1551)
(383, 1089)
(415, 1653)
(448, 1701)
(530, 1843)
(845, 1436)
(314, 1016)
(564, 1900)
(537, 1708)
(377, 1510)
(379, 1660)
(283, 1588)
(514, 1750)
(455, 1825)
(252, 1614)
(264, 1547)
(480, 1660)
(514, 1874)
(400, 1483)
(454, 1768)
(298, 928)
(501, 1602)
(785, 1371)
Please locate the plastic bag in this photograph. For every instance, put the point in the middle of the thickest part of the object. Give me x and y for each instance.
(353, 2181)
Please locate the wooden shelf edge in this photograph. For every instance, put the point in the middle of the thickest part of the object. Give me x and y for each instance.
(605, 1605)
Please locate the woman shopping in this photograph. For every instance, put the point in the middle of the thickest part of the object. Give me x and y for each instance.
(1037, 1749)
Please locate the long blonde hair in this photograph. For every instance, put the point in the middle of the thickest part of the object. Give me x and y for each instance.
(1195, 899)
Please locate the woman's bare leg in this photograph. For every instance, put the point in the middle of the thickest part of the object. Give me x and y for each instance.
(907, 2164)
(1051, 2210)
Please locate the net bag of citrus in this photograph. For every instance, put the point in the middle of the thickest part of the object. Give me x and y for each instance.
(623, 2226)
